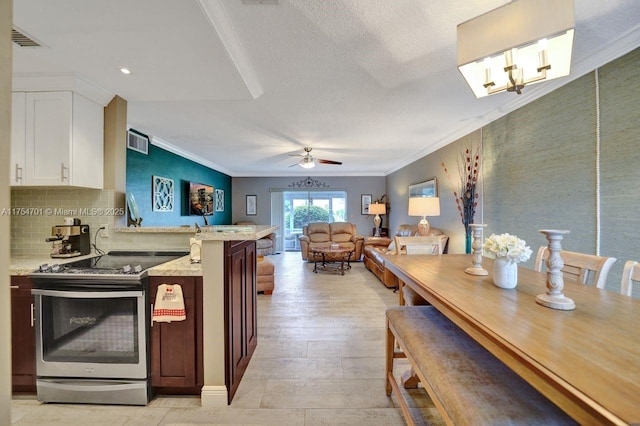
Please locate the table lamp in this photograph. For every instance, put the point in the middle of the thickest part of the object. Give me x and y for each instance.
(424, 206)
(377, 209)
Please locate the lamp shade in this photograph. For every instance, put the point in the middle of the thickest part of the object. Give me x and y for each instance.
(377, 208)
(520, 43)
(424, 206)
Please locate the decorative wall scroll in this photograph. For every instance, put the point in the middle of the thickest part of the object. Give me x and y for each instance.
(219, 200)
(308, 183)
(162, 194)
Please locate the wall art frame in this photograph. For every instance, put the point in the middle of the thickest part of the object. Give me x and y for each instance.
(428, 188)
(252, 205)
(365, 200)
(200, 199)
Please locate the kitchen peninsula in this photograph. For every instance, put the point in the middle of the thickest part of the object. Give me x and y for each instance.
(229, 306)
(205, 354)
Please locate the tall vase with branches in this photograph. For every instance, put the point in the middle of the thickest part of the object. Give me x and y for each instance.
(467, 196)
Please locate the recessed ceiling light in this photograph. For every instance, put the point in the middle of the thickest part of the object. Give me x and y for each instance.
(125, 71)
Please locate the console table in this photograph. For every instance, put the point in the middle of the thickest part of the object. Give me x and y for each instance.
(585, 361)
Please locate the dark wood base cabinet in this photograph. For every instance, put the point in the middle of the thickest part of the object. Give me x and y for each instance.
(23, 352)
(241, 325)
(176, 347)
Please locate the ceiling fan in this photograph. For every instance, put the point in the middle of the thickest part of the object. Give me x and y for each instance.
(308, 161)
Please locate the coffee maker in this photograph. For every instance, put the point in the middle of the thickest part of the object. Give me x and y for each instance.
(70, 240)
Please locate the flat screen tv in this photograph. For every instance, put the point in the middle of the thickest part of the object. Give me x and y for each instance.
(200, 199)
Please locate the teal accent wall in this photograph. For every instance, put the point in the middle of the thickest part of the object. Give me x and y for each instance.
(140, 171)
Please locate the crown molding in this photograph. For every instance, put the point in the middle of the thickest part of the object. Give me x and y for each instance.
(219, 20)
(40, 82)
(186, 154)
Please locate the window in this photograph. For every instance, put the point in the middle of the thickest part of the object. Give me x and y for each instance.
(299, 208)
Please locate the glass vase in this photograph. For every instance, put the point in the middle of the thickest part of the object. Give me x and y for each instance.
(468, 241)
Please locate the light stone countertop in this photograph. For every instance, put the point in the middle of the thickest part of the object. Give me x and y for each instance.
(177, 267)
(210, 232)
(235, 232)
(24, 265)
(158, 230)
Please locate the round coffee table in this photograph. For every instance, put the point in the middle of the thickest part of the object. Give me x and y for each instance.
(331, 259)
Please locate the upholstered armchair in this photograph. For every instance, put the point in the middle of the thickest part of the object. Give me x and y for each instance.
(265, 245)
(323, 234)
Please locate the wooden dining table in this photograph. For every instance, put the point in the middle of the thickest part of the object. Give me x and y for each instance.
(587, 361)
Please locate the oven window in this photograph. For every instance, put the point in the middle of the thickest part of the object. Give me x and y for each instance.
(90, 330)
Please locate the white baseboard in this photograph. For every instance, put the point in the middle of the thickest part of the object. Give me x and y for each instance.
(213, 396)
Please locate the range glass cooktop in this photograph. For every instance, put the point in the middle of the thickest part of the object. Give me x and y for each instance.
(113, 263)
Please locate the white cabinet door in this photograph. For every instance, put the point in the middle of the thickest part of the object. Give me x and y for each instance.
(56, 140)
(18, 123)
(48, 138)
(87, 161)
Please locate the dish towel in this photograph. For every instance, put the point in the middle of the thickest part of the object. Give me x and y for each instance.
(169, 304)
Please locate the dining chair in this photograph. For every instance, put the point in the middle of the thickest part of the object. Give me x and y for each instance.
(431, 244)
(579, 267)
(630, 273)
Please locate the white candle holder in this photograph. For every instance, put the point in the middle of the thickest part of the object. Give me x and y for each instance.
(476, 269)
(554, 298)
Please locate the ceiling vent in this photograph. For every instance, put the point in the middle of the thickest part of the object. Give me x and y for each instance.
(20, 38)
(260, 1)
(138, 141)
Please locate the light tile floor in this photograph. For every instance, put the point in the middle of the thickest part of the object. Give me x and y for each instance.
(319, 361)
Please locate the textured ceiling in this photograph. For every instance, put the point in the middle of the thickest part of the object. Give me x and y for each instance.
(240, 87)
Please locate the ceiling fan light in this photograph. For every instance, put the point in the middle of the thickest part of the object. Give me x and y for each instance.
(307, 163)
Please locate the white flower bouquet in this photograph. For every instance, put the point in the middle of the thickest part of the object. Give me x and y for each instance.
(508, 246)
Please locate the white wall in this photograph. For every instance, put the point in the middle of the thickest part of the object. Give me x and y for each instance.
(6, 18)
(426, 168)
(261, 186)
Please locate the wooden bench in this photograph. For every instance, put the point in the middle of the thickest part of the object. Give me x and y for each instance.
(467, 384)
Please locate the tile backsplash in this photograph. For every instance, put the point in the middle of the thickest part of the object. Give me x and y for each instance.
(35, 210)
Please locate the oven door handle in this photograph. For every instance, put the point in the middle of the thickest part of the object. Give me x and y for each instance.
(86, 294)
(80, 386)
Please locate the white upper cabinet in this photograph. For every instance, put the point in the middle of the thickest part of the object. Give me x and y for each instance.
(18, 126)
(62, 143)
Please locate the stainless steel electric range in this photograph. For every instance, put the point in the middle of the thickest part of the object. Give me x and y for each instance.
(91, 323)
